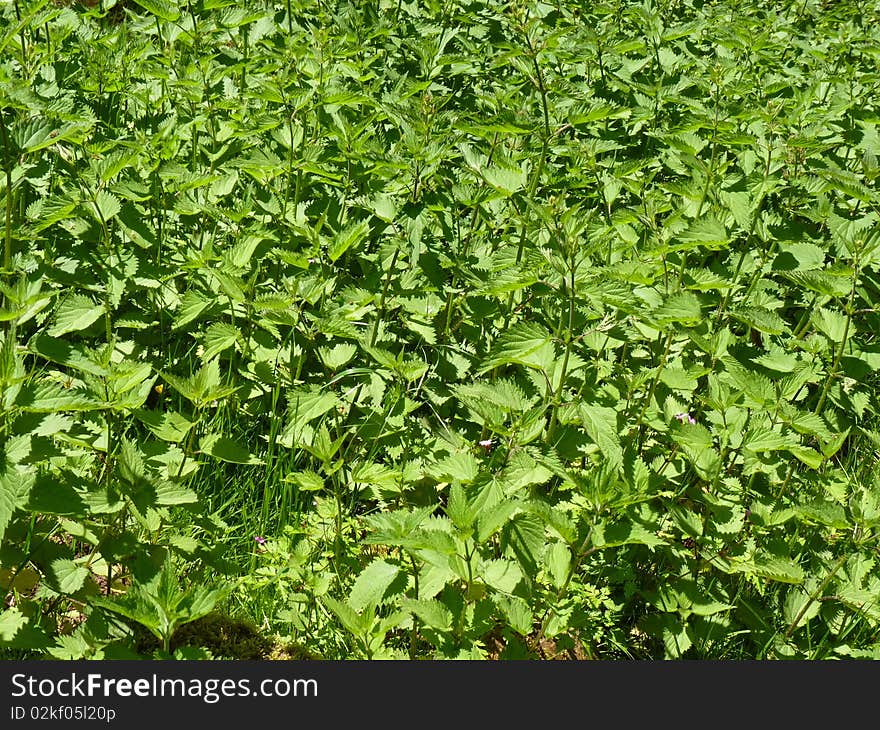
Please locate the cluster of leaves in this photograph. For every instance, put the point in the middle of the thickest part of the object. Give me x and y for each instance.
(508, 329)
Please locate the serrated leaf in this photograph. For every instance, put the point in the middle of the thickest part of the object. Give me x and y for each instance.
(49, 397)
(708, 232)
(558, 563)
(430, 612)
(777, 569)
(76, 313)
(761, 319)
(624, 532)
(502, 575)
(806, 455)
(163, 9)
(69, 576)
(347, 616)
(799, 256)
(821, 282)
(681, 308)
(220, 336)
(107, 206)
(12, 620)
(461, 466)
(191, 306)
(506, 179)
(169, 425)
(763, 439)
(14, 490)
(65, 353)
(525, 343)
(307, 481)
(459, 509)
(600, 423)
(370, 585)
(348, 237)
(228, 450)
(168, 493)
(518, 614)
(492, 520)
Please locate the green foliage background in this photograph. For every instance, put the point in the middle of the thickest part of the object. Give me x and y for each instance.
(440, 329)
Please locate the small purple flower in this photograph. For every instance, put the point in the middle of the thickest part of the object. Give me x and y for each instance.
(686, 418)
(260, 540)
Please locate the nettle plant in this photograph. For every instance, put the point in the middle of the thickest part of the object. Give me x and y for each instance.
(440, 330)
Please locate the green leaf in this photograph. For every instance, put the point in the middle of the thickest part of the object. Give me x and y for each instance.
(163, 9)
(806, 455)
(773, 568)
(502, 575)
(65, 353)
(760, 319)
(347, 616)
(370, 586)
(430, 612)
(799, 256)
(107, 206)
(686, 520)
(55, 494)
(708, 232)
(523, 537)
(48, 397)
(798, 607)
(168, 425)
(624, 532)
(192, 304)
(307, 481)
(558, 561)
(220, 336)
(600, 423)
(681, 308)
(461, 467)
(348, 237)
(377, 475)
(459, 509)
(518, 614)
(69, 576)
(169, 493)
(304, 406)
(76, 313)
(492, 520)
(14, 490)
(506, 179)
(203, 386)
(763, 439)
(673, 632)
(821, 282)
(525, 343)
(12, 620)
(226, 449)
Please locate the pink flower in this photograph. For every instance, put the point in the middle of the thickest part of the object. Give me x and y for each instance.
(260, 540)
(686, 418)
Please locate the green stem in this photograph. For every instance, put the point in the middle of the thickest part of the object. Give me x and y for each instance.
(7, 163)
(381, 314)
(582, 553)
(834, 365)
(414, 633)
(568, 340)
(815, 594)
(654, 382)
